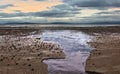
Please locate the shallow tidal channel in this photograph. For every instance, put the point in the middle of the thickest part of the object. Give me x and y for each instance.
(74, 44)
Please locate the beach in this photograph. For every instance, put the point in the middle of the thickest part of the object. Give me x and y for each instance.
(59, 49)
(22, 54)
(59, 36)
(104, 58)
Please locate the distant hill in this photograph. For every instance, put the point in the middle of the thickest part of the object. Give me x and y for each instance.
(109, 22)
(20, 23)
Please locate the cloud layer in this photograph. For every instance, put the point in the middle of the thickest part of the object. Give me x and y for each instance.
(6, 6)
(94, 3)
(68, 11)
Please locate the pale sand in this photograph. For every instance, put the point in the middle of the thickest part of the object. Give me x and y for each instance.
(105, 57)
(25, 55)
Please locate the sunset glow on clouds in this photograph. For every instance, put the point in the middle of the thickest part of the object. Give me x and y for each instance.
(28, 5)
(69, 11)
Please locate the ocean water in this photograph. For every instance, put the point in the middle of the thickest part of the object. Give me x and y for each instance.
(75, 47)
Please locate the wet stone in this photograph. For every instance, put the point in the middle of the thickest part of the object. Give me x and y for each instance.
(29, 65)
(32, 69)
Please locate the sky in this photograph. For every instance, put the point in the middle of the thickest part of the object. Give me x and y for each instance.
(59, 11)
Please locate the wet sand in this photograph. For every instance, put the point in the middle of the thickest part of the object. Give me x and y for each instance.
(68, 38)
(21, 54)
(104, 58)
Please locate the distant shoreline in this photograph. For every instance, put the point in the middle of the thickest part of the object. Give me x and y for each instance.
(84, 28)
(56, 25)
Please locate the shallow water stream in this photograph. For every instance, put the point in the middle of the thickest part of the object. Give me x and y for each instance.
(75, 47)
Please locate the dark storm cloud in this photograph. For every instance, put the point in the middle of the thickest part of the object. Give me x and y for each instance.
(6, 6)
(94, 3)
(35, 14)
(8, 15)
(56, 11)
(51, 13)
(112, 12)
(67, 7)
(105, 17)
(104, 13)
